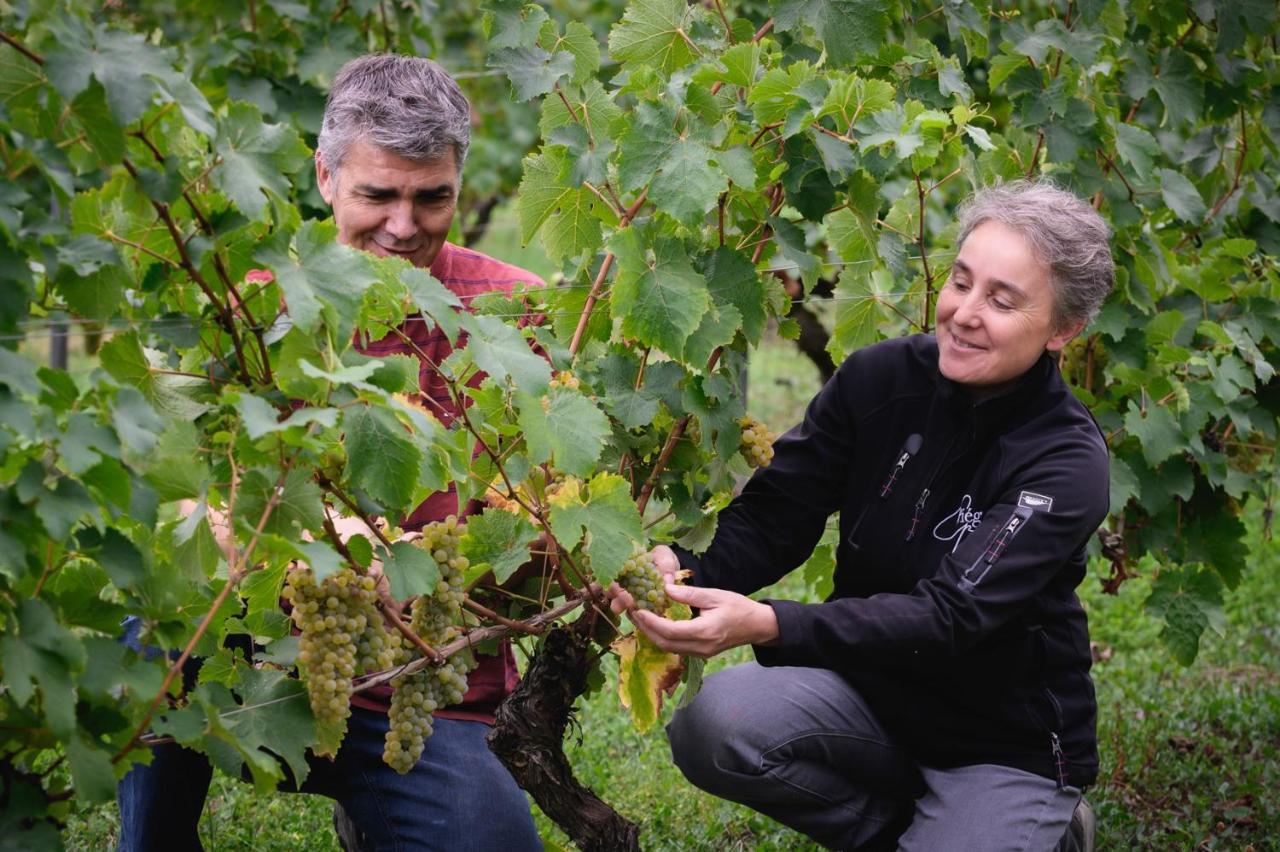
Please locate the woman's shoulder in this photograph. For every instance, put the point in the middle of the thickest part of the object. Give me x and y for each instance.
(896, 367)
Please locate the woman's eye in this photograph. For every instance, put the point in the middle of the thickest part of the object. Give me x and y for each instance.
(1001, 305)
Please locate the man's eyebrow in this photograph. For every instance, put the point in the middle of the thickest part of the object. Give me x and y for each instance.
(443, 189)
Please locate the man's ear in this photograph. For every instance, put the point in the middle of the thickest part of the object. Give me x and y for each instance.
(324, 179)
(1063, 335)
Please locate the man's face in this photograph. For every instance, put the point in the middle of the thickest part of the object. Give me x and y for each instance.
(391, 206)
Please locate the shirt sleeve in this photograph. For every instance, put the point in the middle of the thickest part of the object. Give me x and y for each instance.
(777, 520)
(1042, 520)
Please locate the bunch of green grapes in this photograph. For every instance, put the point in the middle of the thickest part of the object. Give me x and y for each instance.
(756, 445)
(641, 578)
(335, 615)
(565, 379)
(435, 617)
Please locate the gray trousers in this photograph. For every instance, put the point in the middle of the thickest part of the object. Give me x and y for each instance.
(801, 746)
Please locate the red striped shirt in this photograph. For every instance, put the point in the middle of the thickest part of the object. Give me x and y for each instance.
(467, 274)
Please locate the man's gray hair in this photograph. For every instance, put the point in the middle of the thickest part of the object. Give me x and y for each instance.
(1064, 231)
(405, 105)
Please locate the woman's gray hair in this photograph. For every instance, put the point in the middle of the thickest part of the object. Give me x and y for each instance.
(406, 105)
(1064, 231)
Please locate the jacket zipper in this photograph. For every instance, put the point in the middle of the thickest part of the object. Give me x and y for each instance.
(909, 449)
(1055, 744)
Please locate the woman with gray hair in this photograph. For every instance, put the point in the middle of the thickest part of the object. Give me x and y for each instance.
(940, 697)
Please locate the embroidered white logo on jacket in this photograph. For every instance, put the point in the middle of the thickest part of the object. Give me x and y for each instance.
(1032, 500)
(954, 527)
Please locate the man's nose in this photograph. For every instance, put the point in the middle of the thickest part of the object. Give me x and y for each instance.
(400, 222)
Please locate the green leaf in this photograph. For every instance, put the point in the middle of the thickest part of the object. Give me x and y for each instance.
(580, 41)
(124, 63)
(117, 555)
(657, 293)
(128, 362)
(299, 506)
(100, 129)
(570, 433)
(503, 352)
(654, 32)
(320, 278)
(689, 182)
(732, 280)
(499, 541)
(410, 570)
(1189, 599)
(1002, 66)
(532, 71)
(18, 372)
(382, 459)
(792, 250)
(433, 299)
(1157, 431)
(256, 157)
(645, 674)
(548, 197)
(1181, 195)
(852, 97)
(607, 512)
(136, 422)
(1180, 86)
(848, 29)
(1137, 147)
(91, 771)
(858, 314)
(274, 716)
(43, 653)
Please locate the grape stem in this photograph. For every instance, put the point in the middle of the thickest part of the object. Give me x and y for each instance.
(469, 640)
(484, 612)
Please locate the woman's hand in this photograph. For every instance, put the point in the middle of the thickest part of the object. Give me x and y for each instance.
(664, 559)
(726, 620)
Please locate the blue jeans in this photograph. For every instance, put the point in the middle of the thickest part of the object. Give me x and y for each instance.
(457, 797)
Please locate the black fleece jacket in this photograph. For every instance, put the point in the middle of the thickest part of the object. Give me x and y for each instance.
(963, 528)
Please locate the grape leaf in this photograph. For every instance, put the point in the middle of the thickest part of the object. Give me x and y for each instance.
(1181, 195)
(569, 433)
(326, 280)
(732, 280)
(255, 158)
(548, 197)
(657, 293)
(1189, 599)
(1136, 147)
(858, 314)
(645, 674)
(531, 70)
(848, 29)
(45, 654)
(381, 458)
(504, 353)
(654, 32)
(499, 541)
(123, 62)
(299, 506)
(410, 570)
(1157, 431)
(607, 512)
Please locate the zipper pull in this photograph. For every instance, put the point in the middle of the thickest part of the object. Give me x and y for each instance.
(909, 449)
(917, 514)
(1059, 762)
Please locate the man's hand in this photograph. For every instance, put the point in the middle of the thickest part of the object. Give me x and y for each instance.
(726, 620)
(664, 559)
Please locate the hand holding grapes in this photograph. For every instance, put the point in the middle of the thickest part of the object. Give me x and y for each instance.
(725, 620)
(665, 563)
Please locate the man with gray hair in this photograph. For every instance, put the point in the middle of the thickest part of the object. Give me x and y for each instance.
(389, 162)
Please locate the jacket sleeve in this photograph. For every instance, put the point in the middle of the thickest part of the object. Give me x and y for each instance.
(1021, 545)
(777, 520)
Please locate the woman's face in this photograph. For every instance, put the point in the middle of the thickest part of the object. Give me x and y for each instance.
(995, 314)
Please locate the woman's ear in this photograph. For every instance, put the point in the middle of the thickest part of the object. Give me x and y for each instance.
(1063, 335)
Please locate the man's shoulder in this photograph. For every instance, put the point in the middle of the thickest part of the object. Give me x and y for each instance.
(471, 271)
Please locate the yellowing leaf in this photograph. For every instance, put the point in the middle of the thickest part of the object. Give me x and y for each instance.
(645, 674)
